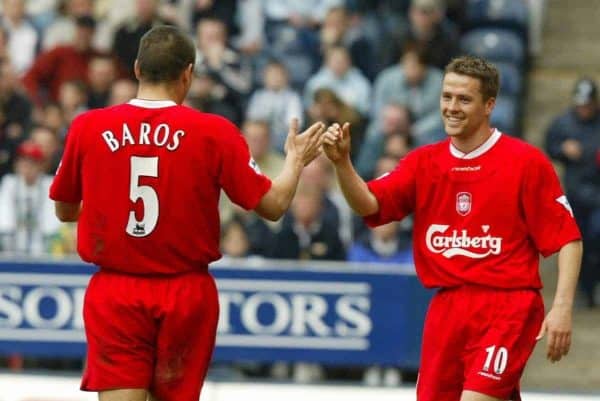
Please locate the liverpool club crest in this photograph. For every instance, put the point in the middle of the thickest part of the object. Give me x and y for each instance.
(463, 203)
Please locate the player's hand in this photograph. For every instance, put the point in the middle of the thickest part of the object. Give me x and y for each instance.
(336, 142)
(557, 324)
(307, 145)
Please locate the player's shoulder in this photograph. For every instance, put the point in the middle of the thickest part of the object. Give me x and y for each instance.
(521, 149)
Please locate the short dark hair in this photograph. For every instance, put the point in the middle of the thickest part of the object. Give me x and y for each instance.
(164, 53)
(477, 67)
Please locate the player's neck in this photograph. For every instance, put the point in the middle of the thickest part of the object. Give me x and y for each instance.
(467, 144)
(148, 91)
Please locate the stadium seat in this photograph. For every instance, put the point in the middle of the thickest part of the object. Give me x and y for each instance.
(504, 115)
(511, 80)
(509, 14)
(494, 44)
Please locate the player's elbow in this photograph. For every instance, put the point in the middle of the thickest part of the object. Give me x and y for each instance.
(66, 212)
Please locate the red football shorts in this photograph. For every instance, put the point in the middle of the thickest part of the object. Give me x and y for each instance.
(478, 339)
(150, 332)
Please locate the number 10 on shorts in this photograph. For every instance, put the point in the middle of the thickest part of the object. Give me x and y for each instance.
(498, 355)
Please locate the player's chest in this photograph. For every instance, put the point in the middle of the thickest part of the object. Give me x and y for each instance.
(469, 192)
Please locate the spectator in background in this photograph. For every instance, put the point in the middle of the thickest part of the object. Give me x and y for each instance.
(258, 137)
(208, 96)
(53, 117)
(128, 35)
(383, 244)
(63, 29)
(101, 75)
(394, 118)
(15, 114)
(328, 107)
(415, 84)
(276, 103)
(432, 31)
(47, 140)
(573, 139)
(72, 99)
(234, 240)
(22, 36)
(304, 233)
(4, 53)
(60, 64)
(233, 74)
(122, 91)
(27, 218)
(341, 28)
(346, 81)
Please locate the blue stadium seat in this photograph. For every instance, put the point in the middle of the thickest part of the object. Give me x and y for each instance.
(511, 80)
(494, 44)
(504, 115)
(511, 14)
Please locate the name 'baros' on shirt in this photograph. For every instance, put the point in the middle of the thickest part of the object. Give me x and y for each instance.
(161, 135)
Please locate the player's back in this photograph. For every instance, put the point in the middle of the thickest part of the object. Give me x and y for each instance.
(151, 176)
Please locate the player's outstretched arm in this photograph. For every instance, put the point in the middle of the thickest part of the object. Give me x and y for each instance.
(300, 149)
(336, 144)
(558, 321)
(66, 211)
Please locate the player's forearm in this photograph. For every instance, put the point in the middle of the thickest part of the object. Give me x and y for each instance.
(569, 264)
(355, 190)
(277, 200)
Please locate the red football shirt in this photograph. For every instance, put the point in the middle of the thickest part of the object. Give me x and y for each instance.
(482, 217)
(149, 174)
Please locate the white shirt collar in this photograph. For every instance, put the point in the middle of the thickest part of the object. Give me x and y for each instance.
(484, 147)
(152, 104)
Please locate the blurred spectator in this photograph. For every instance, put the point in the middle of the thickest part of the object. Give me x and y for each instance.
(208, 96)
(341, 28)
(397, 146)
(573, 139)
(42, 12)
(15, 114)
(72, 99)
(415, 84)
(53, 118)
(336, 211)
(128, 35)
(231, 72)
(50, 145)
(382, 244)
(258, 138)
(63, 29)
(432, 31)
(304, 233)
(395, 119)
(27, 218)
(22, 36)
(193, 11)
(276, 103)
(101, 75)
(122, 91)
(234, 240)
(329, 108)
(4, 54)
(60, 64)
(251, 37)
(346, 81)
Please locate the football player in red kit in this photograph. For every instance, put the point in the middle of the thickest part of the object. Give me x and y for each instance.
(485, 206)
(143, 181)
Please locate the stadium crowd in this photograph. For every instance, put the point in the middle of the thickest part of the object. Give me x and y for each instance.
(375, 63)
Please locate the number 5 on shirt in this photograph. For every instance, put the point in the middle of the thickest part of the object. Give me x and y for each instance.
(143, 167)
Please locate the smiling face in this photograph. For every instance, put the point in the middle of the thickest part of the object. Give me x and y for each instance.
(464, 110)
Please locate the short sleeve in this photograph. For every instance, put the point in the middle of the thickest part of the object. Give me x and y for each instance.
(67, 186)
(240, 176)
(548, 215)
(395, 192)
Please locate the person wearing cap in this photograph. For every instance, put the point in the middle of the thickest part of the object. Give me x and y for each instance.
(573, 140)
(62, 63)
(27, 220)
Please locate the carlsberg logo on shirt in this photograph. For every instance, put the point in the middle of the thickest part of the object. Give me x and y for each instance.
(456, 242)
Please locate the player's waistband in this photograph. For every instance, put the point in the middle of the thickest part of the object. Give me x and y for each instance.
(203, 270)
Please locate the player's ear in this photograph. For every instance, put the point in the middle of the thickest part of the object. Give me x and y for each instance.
(489, 106)
(136, 69)
(188, 74)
